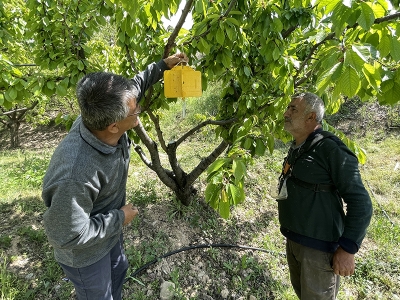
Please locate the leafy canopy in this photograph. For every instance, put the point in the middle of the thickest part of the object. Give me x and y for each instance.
(260, 51)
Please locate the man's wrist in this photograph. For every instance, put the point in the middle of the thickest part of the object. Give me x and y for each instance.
(348, 245)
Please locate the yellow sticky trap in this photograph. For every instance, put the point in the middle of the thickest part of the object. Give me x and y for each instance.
(182, 81)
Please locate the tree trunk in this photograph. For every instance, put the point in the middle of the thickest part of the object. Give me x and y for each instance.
(186, 195)
(14, 133)
(15, 118)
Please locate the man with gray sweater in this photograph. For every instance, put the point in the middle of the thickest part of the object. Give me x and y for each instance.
(84, 188)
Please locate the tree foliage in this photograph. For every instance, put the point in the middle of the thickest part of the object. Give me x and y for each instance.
(261, 52)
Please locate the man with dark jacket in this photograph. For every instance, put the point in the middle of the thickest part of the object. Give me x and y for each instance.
(319, 175)
(84, 188)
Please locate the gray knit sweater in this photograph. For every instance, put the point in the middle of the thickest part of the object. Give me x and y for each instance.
(85, 187)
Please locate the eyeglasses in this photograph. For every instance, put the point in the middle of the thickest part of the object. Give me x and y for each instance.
(136, 113)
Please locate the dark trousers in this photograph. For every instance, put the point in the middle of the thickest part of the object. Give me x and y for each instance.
(311, 272)
(102, 280)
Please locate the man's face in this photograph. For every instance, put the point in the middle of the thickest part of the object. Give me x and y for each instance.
(295, 117)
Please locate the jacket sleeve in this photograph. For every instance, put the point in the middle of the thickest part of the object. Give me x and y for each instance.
(346, 177)
(68, 222)
(153, 73)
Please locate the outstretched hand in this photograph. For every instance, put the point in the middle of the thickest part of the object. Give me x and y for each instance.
(173, 60)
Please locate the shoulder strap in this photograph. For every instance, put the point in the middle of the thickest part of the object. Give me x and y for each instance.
(319, 136)
(312, 141)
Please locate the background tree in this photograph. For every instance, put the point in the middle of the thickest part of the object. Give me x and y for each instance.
(259, 52)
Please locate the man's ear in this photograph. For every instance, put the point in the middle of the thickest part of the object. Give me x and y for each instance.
(113, 128)
(312, 116)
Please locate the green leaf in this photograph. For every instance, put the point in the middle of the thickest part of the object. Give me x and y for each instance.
(231, 34)
(233, 21)
(220, 36)
(351, 58)
(248, 142)
(51, 85)
(236, 193)
(361, 154)
(200, 7)
(276, 53)
(16, 72)
(226, 60)
(367, 17)
(349, 82)
(121, 37)
(390, 95)
(11, 94)
(384, 46)
(327, 5)
(325, 78)
(81, 65)
(362, 51)
(61, 90)
(205, 46)
(224, 205)
(217, 164)
(380, 8)
(260, 147)
(395, 48)
(247, 71)
(239, 169)
(211, 194)
(372, 75)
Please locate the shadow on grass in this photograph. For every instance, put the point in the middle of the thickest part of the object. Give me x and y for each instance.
(168, 242)
(29, 270)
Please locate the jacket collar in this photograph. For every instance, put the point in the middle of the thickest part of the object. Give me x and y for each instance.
(93, 141)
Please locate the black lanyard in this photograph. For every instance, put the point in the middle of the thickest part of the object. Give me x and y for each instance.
(288, 168)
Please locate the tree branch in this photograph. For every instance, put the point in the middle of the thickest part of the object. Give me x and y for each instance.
(21, 110)
(173, 161)
(156, 121)
(201, 125)
(223, 15)
(330, 37)
(287, 32)
(312, 51)
(171, 40)
(148, 162)
(230, 7)
(25, 65)
(199, 169)
(155, 158)
(303, 79)
(387, 18)
(143, 156)
(29, 108)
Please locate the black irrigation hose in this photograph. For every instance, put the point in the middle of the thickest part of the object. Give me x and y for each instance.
(133, 274)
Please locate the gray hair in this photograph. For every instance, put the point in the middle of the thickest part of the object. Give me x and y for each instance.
(103, 99)
(313, 104)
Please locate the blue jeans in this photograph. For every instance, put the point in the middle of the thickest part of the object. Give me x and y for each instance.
(311, 272)
(102, 280)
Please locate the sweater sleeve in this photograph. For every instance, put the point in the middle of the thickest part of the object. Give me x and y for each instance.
(346, 176)
(153, 73)
(68, 222)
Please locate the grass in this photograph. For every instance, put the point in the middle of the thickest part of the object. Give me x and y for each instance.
(29, 271)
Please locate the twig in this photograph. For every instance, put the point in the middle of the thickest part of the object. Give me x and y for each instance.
(174, 34)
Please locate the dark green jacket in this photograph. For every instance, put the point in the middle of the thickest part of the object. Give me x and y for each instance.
(314, 218)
